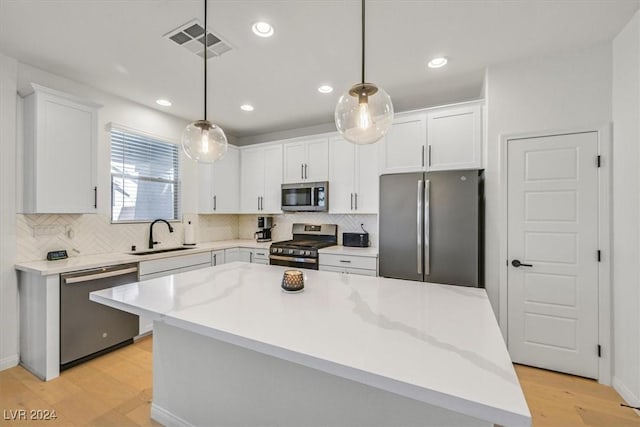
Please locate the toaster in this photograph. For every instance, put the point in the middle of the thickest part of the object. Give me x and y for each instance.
(355, 240)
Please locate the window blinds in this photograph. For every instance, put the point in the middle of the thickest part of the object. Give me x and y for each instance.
(145, 178)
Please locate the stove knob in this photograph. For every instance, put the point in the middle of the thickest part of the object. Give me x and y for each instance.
(307, 252)
(291, 251)
(279, 250)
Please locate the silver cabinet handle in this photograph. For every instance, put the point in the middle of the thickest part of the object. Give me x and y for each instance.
(345, 260)
(215, 261)
(215, 204)
(429, 156)
(351, 201)
(306, 166)
(261, 254)
(301, 170)
(261, 203)
(427, 260)
(422, 156)
(419, 227)
(356, 199)
(96, 276)
(95, 197)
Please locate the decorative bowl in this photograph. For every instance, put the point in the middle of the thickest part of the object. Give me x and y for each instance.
(293, 281)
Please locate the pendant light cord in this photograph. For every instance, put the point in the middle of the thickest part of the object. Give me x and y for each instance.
(205, 59)
(363, 41)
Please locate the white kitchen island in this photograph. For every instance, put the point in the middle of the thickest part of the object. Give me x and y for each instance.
(230, 348)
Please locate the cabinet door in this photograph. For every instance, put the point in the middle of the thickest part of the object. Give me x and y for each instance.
(455, 138)
(205, 188)
(317, 160)
(294, 160)
(341, 175)
(226, 183)
(367, 179)
(252, 179)
(231, 255)
(245, 255)
(218, 257)
(403, 148)
(65, 135)
(272, 179)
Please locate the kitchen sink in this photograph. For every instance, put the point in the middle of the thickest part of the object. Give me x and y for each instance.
(159, 251)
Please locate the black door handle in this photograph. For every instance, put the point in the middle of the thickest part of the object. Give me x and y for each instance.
(517, 263)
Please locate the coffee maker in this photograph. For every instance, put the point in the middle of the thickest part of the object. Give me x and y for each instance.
(265, 224)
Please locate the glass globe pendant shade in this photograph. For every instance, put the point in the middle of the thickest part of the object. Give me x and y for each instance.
(204, 141)
(364, 114)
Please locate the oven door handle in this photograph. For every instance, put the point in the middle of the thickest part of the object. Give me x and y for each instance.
(293, 259)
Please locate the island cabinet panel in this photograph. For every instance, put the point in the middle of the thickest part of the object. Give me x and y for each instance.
(348, 270)
(306, 160)
(219, 184)
(260, 179)
(60, 152)
(454, 136)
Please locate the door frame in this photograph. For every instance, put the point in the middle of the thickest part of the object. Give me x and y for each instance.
(604, 237)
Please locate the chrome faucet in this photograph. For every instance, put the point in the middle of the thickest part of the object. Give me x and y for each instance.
(151, 242)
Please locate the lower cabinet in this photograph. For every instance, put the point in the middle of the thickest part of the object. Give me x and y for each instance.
(231, 255)
(218, 257)
(165, 266)
(257, 256)
(349, 264)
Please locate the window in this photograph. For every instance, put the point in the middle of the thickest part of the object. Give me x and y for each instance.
(145, 178)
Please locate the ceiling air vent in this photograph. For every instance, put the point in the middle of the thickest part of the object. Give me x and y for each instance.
(191, 37)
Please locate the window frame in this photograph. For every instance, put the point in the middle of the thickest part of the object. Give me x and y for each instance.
(111, 127)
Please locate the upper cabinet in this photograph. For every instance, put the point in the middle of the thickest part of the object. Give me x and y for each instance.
(60, 152)
(403, 148)
(306, 160)
(436, 139)
(454, 137)
(219, 184)
(353, 177)
(260, 179)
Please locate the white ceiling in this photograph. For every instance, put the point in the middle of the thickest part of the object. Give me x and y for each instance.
(117, 46)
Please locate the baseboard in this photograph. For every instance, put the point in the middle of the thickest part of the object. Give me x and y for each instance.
(627, 395)
(9, 362)
(166, 418)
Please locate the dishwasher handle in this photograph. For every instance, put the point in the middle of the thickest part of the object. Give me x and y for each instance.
(100, 275)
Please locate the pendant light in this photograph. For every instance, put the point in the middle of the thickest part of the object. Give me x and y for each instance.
(203, 141)
(364, 114)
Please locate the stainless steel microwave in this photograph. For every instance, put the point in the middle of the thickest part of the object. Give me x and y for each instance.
(306, 197)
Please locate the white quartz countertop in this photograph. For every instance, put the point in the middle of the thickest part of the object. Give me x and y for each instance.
(83, 262)
(351, 251)
(439, 344)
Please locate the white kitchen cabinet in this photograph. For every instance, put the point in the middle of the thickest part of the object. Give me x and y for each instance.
(219, 184)
(454, 136)
(260, 256)
(363, 265)
(231, 255)
(260, 179)
(353, 177)
(60, 152)
(306, 160)
(218, 257)
(403, 149)
(245, 255)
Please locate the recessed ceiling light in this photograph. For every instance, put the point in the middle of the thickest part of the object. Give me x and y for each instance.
(325, 89)
(246, 107)
(262, 29)
(438, 62)
(163, 102)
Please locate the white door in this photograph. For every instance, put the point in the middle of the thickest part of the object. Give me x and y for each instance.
(294, 160)
(454, 138)
(317, 164)
(552, 231)
(251, 179)
(341, 184)
(226, 182)
(270, 202)
(367, 179)
(205, 188)
(403, 148)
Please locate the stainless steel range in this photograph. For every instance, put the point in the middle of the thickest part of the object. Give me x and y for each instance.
(302, 250)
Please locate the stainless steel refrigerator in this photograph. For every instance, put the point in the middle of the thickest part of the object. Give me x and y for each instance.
(431, 227)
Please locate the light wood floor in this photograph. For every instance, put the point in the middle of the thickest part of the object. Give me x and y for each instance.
(115, 390)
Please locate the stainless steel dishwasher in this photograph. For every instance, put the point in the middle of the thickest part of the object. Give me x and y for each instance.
(89, 329)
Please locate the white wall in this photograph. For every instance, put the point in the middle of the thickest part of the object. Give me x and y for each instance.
(8, 279)
(567, 91)
(626, 212)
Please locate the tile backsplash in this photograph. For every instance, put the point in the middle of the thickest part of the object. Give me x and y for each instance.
(94, 234)
(282, 231)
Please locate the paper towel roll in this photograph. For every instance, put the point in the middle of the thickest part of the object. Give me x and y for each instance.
(189, 234)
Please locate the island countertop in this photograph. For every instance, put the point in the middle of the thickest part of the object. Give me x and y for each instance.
(439, 344)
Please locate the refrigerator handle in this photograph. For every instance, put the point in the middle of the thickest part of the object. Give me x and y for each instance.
(427, 261)
(420, 199)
